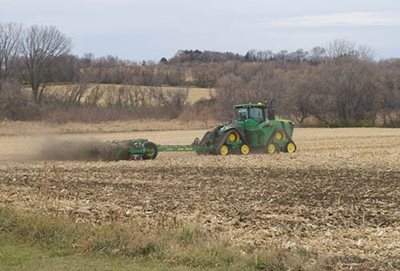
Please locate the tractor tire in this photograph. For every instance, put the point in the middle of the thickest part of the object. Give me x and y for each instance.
(223, 150)
(291, 147)
(272, 148)
(151, 151)
(280, 135)
(221, 142)
(245, 149)
(233, 136)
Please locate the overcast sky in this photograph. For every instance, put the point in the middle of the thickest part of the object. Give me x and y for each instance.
(151, 29)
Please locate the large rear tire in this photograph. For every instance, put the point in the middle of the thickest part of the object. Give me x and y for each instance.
(151, 150)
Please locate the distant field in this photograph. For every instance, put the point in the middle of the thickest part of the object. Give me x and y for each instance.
(27, 128)
(337, 198)
(194, 93)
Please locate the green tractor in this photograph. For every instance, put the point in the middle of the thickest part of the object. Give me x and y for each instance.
(251, 131)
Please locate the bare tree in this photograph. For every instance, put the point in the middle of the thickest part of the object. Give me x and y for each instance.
(340, 92)
(41, 46)
(317, 55)
(343, 48)
(10, 37)
(389, 91)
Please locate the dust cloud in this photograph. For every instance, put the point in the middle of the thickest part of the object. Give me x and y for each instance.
(77, 150)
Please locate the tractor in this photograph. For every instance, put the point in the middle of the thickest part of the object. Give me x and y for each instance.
(251, 131)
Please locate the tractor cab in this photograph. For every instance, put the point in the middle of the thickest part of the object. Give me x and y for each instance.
(250, 114)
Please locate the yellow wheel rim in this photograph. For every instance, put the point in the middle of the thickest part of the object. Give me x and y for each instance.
(279, 136)
(245, 149)
(291, 148)
(271, 148)
(233, 137)
(223, 150)
(149, 151)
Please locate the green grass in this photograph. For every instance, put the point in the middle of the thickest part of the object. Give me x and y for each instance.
(16, 255)
(39, 242)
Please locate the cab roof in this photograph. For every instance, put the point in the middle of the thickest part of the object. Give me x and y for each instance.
(259, 105)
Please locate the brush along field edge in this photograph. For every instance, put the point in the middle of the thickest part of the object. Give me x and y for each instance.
(192, 247)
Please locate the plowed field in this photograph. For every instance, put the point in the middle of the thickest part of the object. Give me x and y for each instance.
(338, 196)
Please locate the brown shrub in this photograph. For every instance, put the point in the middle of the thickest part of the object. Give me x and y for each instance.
(14, 104)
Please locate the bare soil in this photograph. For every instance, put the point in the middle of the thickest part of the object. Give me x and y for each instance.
(337, 197)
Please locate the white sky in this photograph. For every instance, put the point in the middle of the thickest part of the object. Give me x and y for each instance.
(151, 29)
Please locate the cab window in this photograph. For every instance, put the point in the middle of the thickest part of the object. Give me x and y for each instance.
(257, 114)
(241, 114)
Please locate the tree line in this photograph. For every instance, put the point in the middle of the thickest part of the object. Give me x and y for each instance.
(339, 84)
